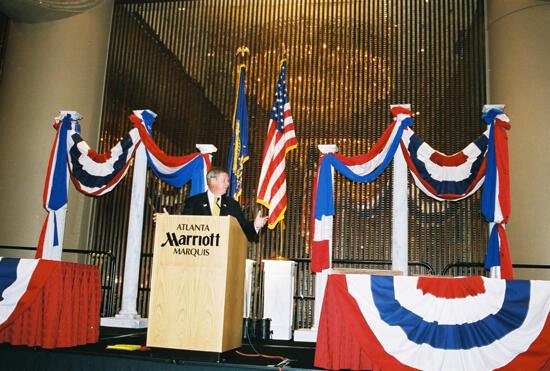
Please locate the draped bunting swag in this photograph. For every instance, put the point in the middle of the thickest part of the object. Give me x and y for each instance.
(97, 174)
(363, 168)
(54, 199)
(174, 170)
(443, 177)
(495, 201)
(439, 176)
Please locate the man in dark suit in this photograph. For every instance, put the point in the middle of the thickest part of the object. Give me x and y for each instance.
(215, 202)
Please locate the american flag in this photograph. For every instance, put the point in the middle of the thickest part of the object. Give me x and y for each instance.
(281, 138)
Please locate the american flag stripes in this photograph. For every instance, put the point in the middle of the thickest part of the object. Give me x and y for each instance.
(281, 138)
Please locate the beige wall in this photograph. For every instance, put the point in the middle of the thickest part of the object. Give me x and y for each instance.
(49, 66)
(519, 76)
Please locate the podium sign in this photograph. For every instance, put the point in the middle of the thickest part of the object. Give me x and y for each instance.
(197, 283)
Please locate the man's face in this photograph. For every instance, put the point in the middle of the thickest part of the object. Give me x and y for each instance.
(218, 185)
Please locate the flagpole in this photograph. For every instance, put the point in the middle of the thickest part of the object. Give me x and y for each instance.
(282, 228)
(281, 138)
(258, 276)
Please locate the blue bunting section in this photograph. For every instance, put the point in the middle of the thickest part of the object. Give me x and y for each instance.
(97, 174)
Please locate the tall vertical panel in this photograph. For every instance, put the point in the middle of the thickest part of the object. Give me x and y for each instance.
(4, 26)
(347, 62)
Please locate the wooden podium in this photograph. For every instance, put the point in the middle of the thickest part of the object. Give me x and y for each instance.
(197, 283)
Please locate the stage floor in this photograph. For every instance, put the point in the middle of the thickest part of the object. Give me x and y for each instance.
(96, 356)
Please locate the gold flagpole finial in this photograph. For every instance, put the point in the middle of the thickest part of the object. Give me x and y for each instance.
(242, 50)
(241, 53)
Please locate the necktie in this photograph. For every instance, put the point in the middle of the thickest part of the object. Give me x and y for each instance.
(216, 207)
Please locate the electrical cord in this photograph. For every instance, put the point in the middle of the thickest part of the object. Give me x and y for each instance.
(284, 361)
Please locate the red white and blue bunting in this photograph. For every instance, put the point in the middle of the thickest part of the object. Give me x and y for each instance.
(21, 280)
(364, 168)
(174, 170)
(404, 323)
(495, 201)
(97, 174)
(441, 177)
(56, 188)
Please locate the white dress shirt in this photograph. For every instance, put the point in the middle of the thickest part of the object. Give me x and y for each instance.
(212, 198)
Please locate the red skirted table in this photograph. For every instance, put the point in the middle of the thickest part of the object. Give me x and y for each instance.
(62, 310)
(408, 323)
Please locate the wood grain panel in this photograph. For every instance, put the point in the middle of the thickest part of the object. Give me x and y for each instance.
(197, 283)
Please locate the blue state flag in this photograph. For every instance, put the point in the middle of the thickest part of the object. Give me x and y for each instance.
(238, 150)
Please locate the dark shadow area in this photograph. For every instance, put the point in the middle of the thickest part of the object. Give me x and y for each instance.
(287, 354)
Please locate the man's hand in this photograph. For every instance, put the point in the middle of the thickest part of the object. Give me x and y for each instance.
(164, 212)
(260, 220)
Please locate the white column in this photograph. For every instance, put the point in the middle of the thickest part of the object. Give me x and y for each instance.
(128, 316)
(495, 271)
(320, 284)
(400, 212)
(57, 218)
(206, 148)
(249, 269)
(310, 334)
(279, 296)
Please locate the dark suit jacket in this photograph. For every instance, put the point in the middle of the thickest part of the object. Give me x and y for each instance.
(198, 205)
